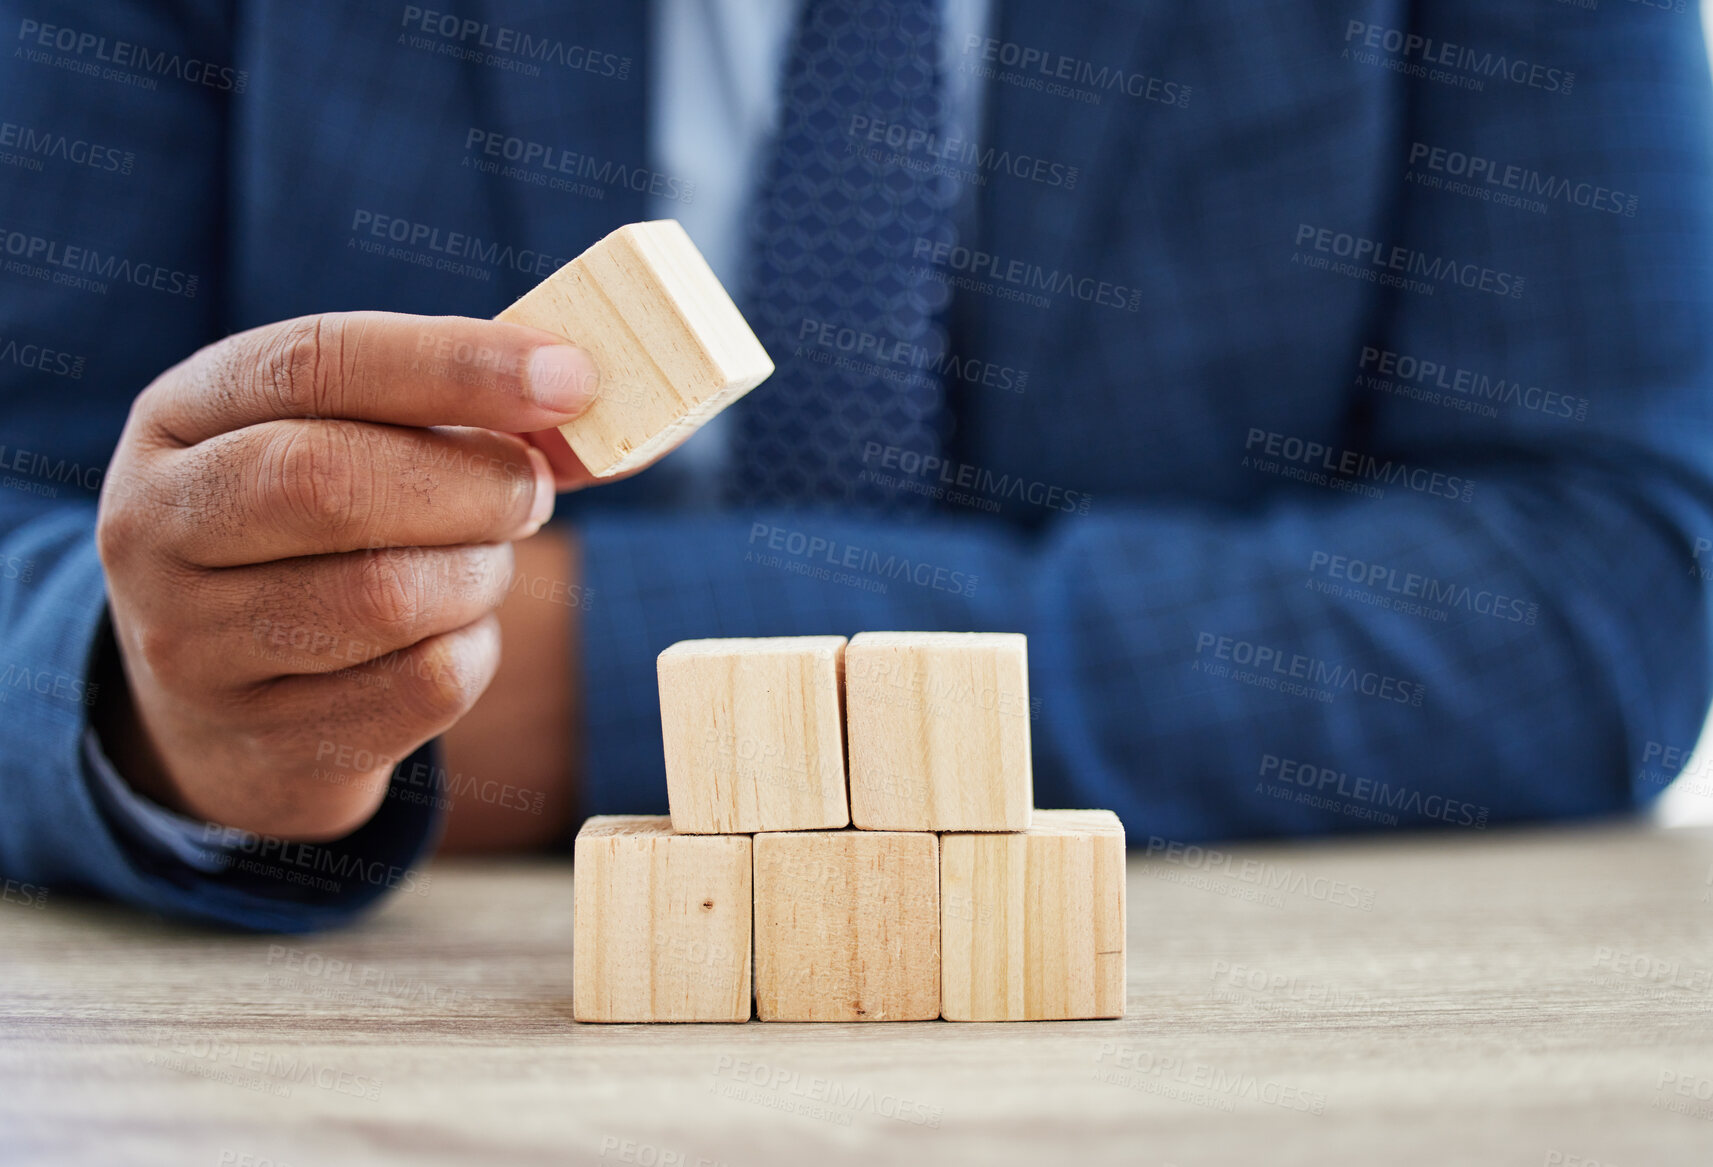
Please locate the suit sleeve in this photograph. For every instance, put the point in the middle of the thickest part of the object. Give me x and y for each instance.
(1517, 629)
(113, 121)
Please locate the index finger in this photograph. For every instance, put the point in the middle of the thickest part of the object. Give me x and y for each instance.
(374, 366)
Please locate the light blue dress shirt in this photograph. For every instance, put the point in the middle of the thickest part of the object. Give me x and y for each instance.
(716, 72)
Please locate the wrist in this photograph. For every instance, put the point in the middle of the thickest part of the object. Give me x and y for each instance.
(512, 767)
(120, 730)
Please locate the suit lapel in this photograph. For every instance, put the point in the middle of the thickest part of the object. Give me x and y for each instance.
(585, 111)
(1043, 224)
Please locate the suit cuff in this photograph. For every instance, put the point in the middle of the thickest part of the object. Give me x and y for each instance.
(145, 823)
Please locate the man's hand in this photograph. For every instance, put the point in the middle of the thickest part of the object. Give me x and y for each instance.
(301, 574)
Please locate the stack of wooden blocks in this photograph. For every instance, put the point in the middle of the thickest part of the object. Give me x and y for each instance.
(951, 897)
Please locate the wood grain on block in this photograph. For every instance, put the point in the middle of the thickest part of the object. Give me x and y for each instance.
(847, 926)
(662, 923)
(754, 734)
(938, 724)
(671, 347)
(1033, 923)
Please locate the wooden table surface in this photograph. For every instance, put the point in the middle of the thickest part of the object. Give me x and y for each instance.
(1528, 998)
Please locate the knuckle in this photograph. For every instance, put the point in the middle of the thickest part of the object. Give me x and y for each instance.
(475, 575)
(315, 475)
(172, 659)
(387, 593)
(299, 365)
(116, 533)
(506, 480)
(445, 678)
(198, 502)
(126, 520)
(487, 571)
(282, 745)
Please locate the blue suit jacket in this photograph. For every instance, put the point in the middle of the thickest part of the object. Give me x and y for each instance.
(1395, 463)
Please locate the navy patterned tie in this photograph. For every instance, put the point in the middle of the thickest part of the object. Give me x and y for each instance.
(834, 290)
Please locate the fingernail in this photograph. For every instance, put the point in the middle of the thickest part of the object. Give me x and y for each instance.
(542, 509)
(562, 379)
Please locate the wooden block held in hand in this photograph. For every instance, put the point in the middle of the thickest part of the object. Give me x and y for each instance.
(671, 347)
(754, 734)
(847, 926)
(1033, 924)
(939, 731)
(662, 923)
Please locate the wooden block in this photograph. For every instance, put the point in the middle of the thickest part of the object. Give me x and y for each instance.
(671, 347)
(938, 724)
(1033, 923)
(847, 926)
(662, 923)
(754, 734)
